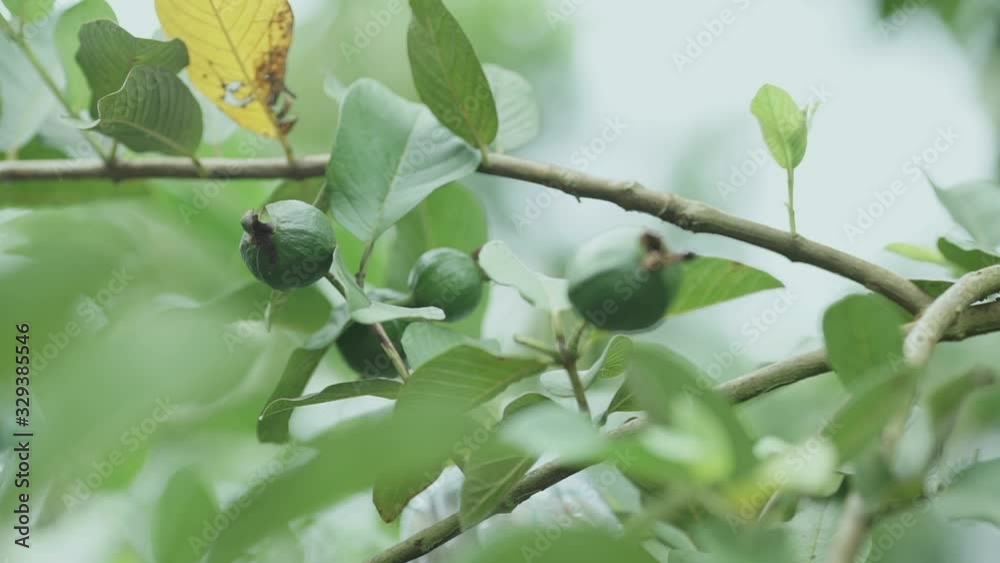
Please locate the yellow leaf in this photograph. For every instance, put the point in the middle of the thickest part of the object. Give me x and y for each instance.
(238, 51)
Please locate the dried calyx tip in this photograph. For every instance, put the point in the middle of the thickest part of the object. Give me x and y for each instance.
(254, 226)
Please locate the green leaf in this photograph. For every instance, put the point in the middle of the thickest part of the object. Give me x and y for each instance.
(813, 528)
(966, 259)
(944, 402)
(366, 311)
(517, 109)
(312, 191)
(184, 506)
(451, 217)
(389, 155)
(30, 11)
(448, 76)
(153, 111)
(863, 333)
(614, 360)
(544, 292)
(964, 497)
(272, 425)
(783, 125)
(912, 536)
(494, 468)
(708, 281)
(390, 496)
(667, 385)
(108, 53)
(342, 461)
(917, 253)
(27, 101)
(975, 206)
(67, 41)
(423, 341)
(581, 543)
(876, 399)
(553, 430)
(622, 401)
(464, 377)
(934, 288)
(377, 387)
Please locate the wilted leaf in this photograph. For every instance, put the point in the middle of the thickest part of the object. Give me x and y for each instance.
(517, 108)
(783, 125)
(448, 76)
(67, 40)
(153, 111)
(544, 292)
(708, 281)
(238, 55)
(862, 334)
(388, 156)
(107, 53)
(272, 425)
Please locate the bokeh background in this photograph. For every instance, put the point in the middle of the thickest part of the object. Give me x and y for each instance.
(149, 310)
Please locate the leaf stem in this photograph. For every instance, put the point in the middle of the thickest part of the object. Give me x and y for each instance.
(791, 201)
(390, 349)
(568, 357)
(538, 346)
(50, 83)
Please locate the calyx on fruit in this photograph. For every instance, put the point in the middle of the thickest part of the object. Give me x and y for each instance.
(360, 347)
(624, 279)
(448, 279)
(292, 249)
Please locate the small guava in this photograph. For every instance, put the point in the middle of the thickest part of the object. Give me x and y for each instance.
(361, 348)
(292, 249)
(624, 279)
(448, 279)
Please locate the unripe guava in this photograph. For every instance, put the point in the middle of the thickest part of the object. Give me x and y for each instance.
(624, 279)
(292, 249)
(448, 279)
(361, 348)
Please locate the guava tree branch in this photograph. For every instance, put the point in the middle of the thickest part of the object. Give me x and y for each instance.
(978, 320)
(738, 390)
(929, 329)
(687, 214)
